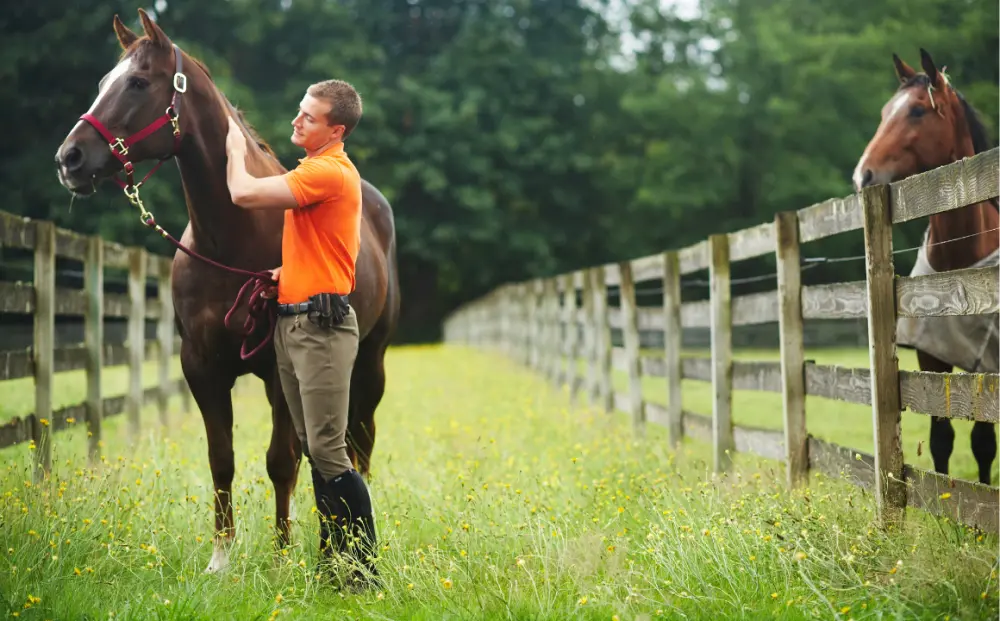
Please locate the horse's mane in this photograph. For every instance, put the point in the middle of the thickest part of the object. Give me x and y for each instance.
(145, 41)
(977, 129)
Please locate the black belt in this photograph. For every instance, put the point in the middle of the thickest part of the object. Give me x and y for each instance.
(303, 307)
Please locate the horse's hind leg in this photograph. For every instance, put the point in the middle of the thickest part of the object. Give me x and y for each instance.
(367, 388)
(942, 439)
(984, 448)
(211, 388)
(283, 455)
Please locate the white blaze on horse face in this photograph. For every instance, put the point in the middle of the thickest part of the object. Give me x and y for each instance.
(119, 70)
(896, 105)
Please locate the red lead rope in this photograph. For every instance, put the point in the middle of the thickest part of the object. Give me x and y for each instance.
(260, 307)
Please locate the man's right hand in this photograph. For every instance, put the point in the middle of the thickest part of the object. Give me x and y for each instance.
(272, 290)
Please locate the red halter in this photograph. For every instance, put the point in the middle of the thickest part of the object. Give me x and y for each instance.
(120, 147)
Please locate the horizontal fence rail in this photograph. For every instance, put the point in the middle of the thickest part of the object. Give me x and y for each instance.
(44, 301)
(551, 323)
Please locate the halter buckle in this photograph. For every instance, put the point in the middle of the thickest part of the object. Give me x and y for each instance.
(180, 82)
(119, 144)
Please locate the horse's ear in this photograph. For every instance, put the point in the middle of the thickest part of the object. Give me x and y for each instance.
(154, 32)
(903, 71)
(125, 36)
(928, 64)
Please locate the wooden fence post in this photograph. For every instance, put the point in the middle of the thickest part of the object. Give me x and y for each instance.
(589, 338)
(630, 341)
(572, 335)
(93, 282)
(136, 335)
(722, 353)
(786, 227)
(44, 343)
(672, 344)
(890, 491)
(602, 332)
(534, 323)
(165, 334)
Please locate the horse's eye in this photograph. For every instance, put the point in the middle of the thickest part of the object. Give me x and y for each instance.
(138, 83)
(917, 111)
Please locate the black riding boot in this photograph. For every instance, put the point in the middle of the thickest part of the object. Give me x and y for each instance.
(346, 522)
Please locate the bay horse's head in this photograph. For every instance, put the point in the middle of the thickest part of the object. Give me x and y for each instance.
(924, 125)
(135, 115)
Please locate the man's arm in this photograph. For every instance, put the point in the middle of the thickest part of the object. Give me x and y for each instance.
(246, 190)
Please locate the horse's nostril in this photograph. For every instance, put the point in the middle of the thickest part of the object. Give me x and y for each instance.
(72, 159)
(867, 179)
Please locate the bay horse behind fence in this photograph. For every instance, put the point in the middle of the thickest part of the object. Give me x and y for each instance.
(159, 103)
(927, 124)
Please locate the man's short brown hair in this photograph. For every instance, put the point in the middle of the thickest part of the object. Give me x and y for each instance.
(345, 103)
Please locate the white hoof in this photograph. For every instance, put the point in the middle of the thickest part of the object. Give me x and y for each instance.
(220, 559)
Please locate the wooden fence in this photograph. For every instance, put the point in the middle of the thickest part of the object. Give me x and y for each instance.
(529, 321)
(42, 360)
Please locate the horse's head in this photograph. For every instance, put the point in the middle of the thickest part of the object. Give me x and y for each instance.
(921, 128)
(135, 114)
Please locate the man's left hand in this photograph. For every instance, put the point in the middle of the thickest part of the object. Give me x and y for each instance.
(236, 142)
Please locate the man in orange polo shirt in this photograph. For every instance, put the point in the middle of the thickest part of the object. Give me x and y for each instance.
(322, 234)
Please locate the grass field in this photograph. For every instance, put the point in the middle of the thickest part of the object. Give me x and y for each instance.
(495, 499)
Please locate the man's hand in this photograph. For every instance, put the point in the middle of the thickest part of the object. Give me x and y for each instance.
(236, 142)
(272, 291)
(246, 190)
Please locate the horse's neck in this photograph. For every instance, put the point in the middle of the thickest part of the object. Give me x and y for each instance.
(973, 223)
(220, 229)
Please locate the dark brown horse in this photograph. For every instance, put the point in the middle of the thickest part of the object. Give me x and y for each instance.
(928, 124)
(152, 76)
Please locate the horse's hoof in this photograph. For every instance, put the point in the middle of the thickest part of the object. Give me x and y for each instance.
(220, 559)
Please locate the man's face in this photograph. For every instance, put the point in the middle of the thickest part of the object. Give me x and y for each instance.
(310, 127)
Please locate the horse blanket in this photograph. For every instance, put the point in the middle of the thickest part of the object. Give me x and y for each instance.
(969, 342)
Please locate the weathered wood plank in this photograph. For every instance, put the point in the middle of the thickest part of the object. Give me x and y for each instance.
(761, 376)
(847, 300)
(696, 314)
(17, 297)
(966, 396)
(115, 255)
(602, 334)
(697, 426)
(966, 182)
(833, 216)
(15, 364)
(970, 291)
(837, 461)
(693, 258)
(792, 365)
(752, 242)
(18, 430)
(71, 245)
(647, 268)
(767, 443)
(16, 231)
(696, 368)
(966, 502)
(117, 305)
(839, 383)
(890, 494)
(755, 308)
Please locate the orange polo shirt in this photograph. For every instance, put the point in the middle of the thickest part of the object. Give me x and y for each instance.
(321, 238)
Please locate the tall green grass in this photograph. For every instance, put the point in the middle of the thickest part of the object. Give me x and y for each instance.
(495, 499)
